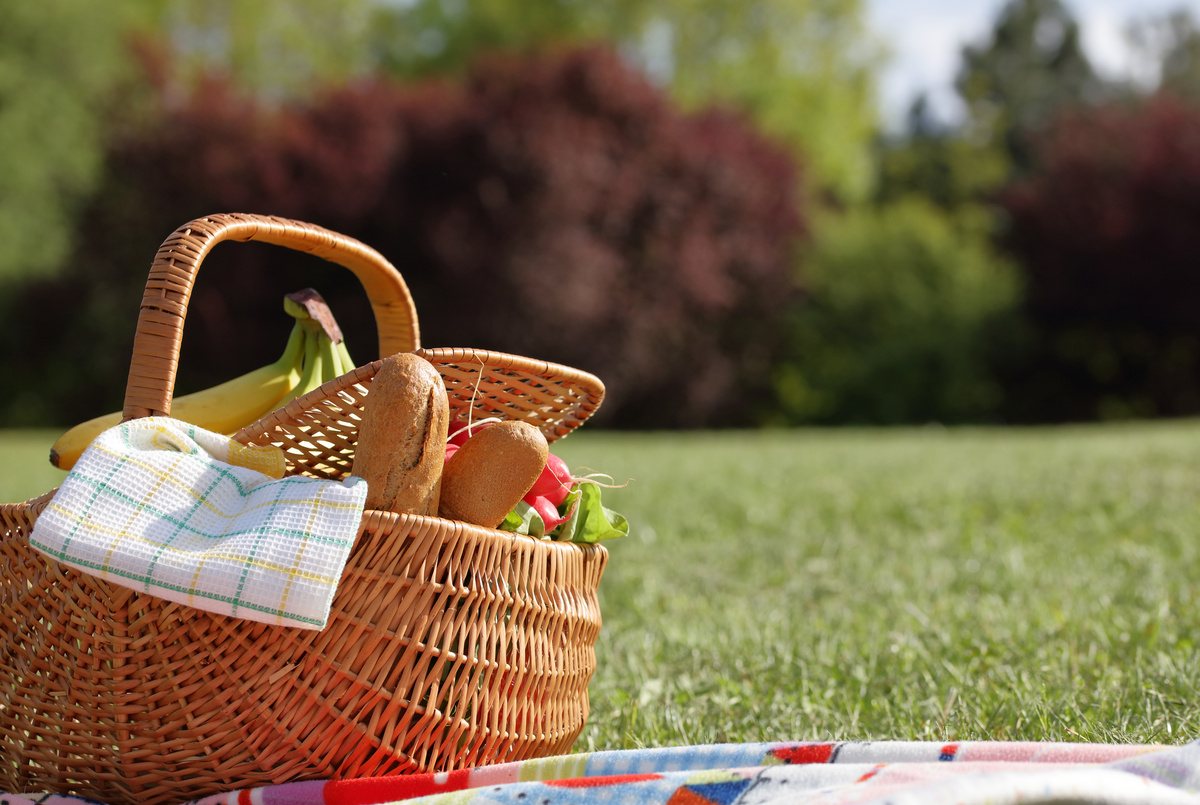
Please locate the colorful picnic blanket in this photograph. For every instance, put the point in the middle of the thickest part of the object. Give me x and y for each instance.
(170, 509)
(799, 773)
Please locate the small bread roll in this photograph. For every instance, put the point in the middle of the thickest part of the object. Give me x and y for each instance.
(491, 472)
(402, 437)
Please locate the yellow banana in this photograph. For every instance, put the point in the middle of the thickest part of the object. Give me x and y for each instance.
(336, 368)
(224, 408)
(347, 362)
(314, 365)
(330, 361)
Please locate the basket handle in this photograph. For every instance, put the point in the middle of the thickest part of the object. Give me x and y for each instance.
(173, 272)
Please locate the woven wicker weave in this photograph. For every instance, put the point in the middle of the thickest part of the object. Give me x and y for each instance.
(448, 646)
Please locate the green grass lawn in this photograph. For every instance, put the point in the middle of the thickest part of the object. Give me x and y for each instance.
(917, 584)
(26, 471)
(911, 585)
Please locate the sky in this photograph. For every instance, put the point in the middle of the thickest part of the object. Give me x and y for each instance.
(926, 36)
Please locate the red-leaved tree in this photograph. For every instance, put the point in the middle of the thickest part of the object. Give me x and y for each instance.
(1106, 228)
(558, 207)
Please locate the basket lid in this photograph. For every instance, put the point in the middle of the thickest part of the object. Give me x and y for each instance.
(318, 432)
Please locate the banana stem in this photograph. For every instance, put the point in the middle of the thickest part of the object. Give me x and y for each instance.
(348, 364)
(311, 366)
(337, 368)
(329, 361)
(314, 374)
(307, 304)
(296, 344)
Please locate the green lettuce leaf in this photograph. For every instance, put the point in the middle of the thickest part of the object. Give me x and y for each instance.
(590, 521)
(524, 519)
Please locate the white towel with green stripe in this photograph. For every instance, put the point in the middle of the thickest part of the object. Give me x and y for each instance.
(169, 509)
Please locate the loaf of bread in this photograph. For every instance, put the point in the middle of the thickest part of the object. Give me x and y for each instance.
(402, 436)
(491, 472)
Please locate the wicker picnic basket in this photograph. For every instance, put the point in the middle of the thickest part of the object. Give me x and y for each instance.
(449, 645)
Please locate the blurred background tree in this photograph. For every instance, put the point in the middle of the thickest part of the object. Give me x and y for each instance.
(938, 163)
(912, 312)
(554, 205)
(1106, 231)
(1029, 69)
(273, 51)
(906, 302)
(61, 62)
(1169, 48)
(803, 70)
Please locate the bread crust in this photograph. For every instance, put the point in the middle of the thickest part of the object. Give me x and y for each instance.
(402, 437)
(491, 472)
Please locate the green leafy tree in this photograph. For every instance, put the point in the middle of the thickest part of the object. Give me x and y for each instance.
(433, 38)
(939, 164)
(906, 305)
(803, 69)
(274, 50)
(60, 60)
(1031, 67)
(1169, 47)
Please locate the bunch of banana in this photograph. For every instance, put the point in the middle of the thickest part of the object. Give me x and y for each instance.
(325, 355)
(315, 354)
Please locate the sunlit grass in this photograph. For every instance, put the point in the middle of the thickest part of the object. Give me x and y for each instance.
(25, 469)
(907, 585)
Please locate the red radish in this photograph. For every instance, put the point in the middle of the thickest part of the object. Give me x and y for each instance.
(554, 483)
(451, 449)
(547, 511)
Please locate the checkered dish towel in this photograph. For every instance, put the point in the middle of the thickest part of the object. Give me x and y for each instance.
(166, 508)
